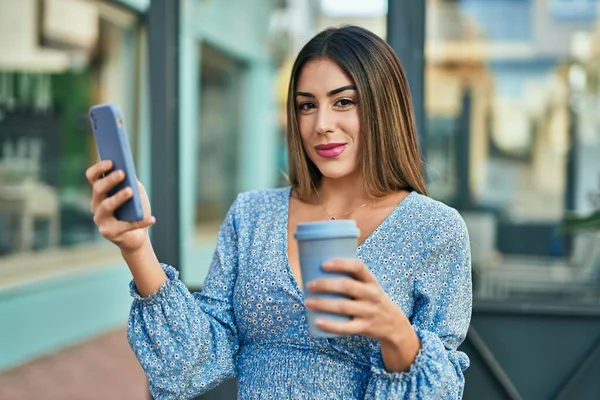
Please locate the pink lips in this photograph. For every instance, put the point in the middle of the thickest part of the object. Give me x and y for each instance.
(330, 150)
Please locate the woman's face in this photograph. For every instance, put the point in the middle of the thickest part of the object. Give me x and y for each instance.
(327, 110)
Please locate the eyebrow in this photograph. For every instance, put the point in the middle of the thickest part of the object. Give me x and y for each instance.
(330, 93)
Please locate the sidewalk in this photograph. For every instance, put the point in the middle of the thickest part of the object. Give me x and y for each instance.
(103, 368)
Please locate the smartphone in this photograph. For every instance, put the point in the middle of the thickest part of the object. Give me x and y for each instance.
(112, 143)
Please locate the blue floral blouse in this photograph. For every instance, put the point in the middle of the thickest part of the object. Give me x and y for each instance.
(248, 322)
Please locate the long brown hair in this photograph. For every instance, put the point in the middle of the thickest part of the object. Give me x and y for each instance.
(389, 157)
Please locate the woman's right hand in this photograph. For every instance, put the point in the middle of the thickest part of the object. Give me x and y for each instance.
(128, 236)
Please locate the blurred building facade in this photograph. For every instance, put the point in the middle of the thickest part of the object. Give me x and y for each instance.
(60, 282)
(511, 138)
(511, 131)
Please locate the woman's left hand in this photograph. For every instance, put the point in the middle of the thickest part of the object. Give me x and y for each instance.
(373, 313)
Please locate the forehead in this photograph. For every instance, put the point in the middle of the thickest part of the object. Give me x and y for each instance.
(322, 75)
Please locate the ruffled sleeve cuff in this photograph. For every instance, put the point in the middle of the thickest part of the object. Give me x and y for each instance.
(431, 351)
(436, 371)
(167, 289)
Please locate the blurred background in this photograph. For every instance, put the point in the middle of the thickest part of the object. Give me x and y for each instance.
(507, 97)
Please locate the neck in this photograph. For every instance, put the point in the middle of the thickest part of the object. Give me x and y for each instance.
(342, 195)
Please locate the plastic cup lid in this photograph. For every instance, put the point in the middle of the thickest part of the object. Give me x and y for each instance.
(339, 228)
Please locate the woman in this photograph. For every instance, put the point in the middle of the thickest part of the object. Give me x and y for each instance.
(353, 154)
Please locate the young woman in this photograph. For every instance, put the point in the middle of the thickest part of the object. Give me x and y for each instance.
(353, 154)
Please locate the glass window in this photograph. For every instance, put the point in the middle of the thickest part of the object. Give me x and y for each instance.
(46, 90)
(221, 88)
(513, 137)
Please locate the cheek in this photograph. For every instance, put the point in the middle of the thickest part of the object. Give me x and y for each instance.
(305, 127)
(351, 126)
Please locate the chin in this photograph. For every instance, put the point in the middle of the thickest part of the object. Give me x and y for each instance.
(336, 171)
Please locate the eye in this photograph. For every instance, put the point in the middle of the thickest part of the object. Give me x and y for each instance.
(344, 103)
(306, 106)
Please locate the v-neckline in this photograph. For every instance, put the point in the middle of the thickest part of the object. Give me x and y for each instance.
(286, 211)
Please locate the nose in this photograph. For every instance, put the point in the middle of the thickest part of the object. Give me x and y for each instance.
(325, 123)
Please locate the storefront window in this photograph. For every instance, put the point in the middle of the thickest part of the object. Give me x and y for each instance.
(50, 75)
(512, 123)
(221, 94)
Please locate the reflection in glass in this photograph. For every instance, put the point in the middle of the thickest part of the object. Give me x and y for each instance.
(218, 144)
(45, 139)
(518, 153)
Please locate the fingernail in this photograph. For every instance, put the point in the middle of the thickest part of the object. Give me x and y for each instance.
(328, 264)
(127, 192)
(152, 220)
(309, 303)
(310, 285)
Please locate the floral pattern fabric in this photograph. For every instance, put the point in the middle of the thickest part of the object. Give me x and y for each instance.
(248, 321)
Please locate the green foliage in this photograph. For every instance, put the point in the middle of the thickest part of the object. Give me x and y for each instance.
(574, 222)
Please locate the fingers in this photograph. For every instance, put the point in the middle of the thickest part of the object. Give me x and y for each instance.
(109, 226)
(352, 327)
(110, 204)
(354, 267)
(340, 306)
(102, 186)
(117, 228)
(104, 206)
(346, 286)
(96, 171)
(142, 189)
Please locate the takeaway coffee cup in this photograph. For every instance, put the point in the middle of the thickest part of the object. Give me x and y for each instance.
(317, 243)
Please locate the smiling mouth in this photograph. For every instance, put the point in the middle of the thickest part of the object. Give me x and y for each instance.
(330, 150)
